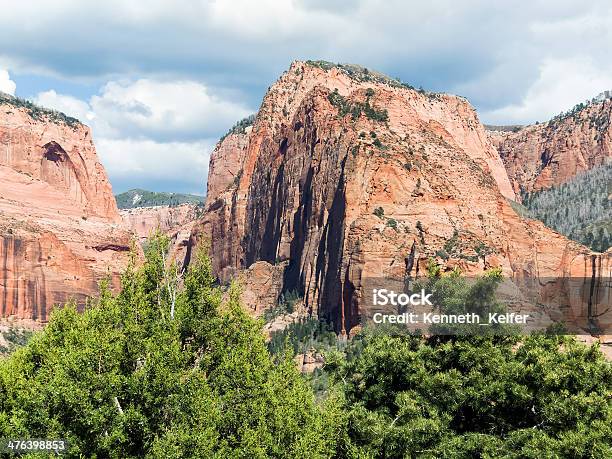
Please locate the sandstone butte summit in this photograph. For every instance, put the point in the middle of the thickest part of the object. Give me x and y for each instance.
(60, 230)
(345, 174)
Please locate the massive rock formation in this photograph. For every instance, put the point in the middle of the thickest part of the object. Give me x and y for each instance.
(348, 176)
(543, 155)
(60, 230)
(176, 222)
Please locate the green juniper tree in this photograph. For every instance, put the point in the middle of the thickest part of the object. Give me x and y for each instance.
(127, 378)
(494, 395)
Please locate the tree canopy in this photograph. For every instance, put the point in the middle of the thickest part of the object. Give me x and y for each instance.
(126, 379)
(476, 397)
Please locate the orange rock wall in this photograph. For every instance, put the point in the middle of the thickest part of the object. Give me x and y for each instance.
(60, 230)
(342, 198)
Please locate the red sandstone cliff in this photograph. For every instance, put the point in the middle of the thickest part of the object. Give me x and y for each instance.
(347, 176)
(543, 155)
(174, 221)
(225, 167)
(60, 230)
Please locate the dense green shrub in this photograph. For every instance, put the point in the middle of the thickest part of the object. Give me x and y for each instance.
(542, 396)
(355, 109)
(14, 339)
(302, 335)
(168, 369)
(472, 396)
(164, 369)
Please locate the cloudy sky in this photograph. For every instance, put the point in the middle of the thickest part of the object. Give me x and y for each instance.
(160, 80)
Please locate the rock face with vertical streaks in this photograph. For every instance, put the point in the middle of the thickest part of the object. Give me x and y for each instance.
(60, 230)
(176, 222)
(347, 175)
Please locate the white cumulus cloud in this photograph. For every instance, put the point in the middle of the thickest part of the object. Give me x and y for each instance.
(167, 110)
(152, 134)
(179, 166)
(490, 52)
(6, 84)
(66, 104)
(561, 84)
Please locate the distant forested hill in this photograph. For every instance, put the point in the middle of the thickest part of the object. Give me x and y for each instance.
(143, 198)
(580, 209)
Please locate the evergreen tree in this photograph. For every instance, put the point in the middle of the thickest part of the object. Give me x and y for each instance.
(128, 377)
(473, 396)
(172, 367)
